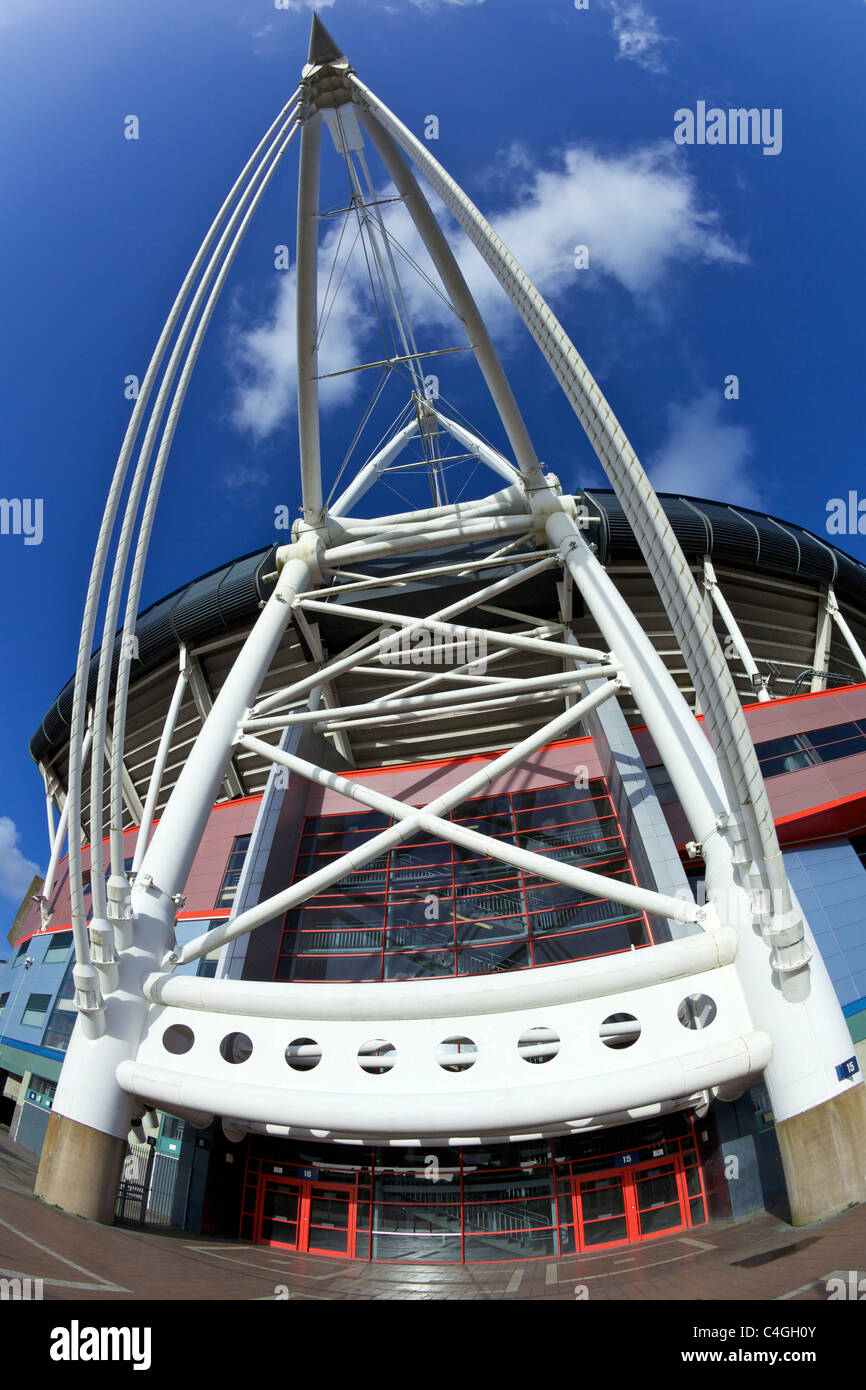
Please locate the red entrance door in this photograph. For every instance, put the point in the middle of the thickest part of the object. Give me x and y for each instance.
(628, 1204)
(298, 1215)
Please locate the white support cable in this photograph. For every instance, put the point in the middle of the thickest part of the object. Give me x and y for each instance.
(49, 806)
(714, 589)
(839, 620)
(57, 843)
(86, 984)
(162, 751)
(236, 229)
(823, 641)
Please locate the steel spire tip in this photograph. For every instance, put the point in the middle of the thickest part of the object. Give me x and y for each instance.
(323, 48)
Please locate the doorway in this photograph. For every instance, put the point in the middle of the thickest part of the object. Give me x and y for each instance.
(293, 1214)
(629, 1204)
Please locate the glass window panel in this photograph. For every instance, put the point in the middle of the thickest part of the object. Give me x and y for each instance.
(657, 1219)
(792, 762)
(605, 1232)
(476, 871)
(541, 893)
(423, 909)
(500, 825)
(411, 856)
(509, 1245)
(502, 898)
(482, 806)
(551, 950)
(840, 748)
(345, 942)
(336, 842)
(834, 733)
(475, 960)
(411, 965)
(593, 914)
(353, 919)
(350, 909)
(487, 930)
(432, 936)
(575, 810)
(58, 944)
(556, 795)
(310, 863)
(345, 968)
(35, 1010)
(416, 1247)
(353, 820)
(696, 1211)
(693, 1182)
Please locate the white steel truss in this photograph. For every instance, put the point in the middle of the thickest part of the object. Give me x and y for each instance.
(776, 1011)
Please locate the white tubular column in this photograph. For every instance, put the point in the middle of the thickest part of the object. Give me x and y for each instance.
(159, 765)
(367, 476)
(91, 1113)
(713, 588)
(308, 317)
(854, 645)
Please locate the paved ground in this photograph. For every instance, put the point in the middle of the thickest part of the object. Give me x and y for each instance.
(756, 1259)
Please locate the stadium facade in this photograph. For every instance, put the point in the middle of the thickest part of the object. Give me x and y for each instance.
(483, 881)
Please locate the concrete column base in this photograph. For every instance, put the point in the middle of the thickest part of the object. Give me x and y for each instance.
(824, 1157)
(79, 1170)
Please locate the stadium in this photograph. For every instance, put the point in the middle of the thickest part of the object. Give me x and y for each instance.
(480, 882)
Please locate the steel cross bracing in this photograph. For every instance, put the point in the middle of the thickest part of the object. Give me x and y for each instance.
(126, 988)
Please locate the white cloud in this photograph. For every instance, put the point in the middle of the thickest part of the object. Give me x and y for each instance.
(638, 36)
(639, 213)
(455, 4)
(16, 872)
(706, 453)
(298, 6)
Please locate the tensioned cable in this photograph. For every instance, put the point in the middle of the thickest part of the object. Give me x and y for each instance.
(124, 668)
(327, 309)
(123, 548)
(94, 588)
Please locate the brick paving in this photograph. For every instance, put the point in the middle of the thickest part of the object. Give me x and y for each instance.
(756, 1259)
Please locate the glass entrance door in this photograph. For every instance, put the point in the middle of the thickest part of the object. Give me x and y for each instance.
(630, 1204)
(330, 1224)
(602, 1218)
(658, 1199)
(280, 1214)
(298, 1215)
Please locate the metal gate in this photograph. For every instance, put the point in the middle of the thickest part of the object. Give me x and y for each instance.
(151, 1191)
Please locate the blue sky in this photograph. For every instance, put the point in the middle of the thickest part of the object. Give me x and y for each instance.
(705, 261)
